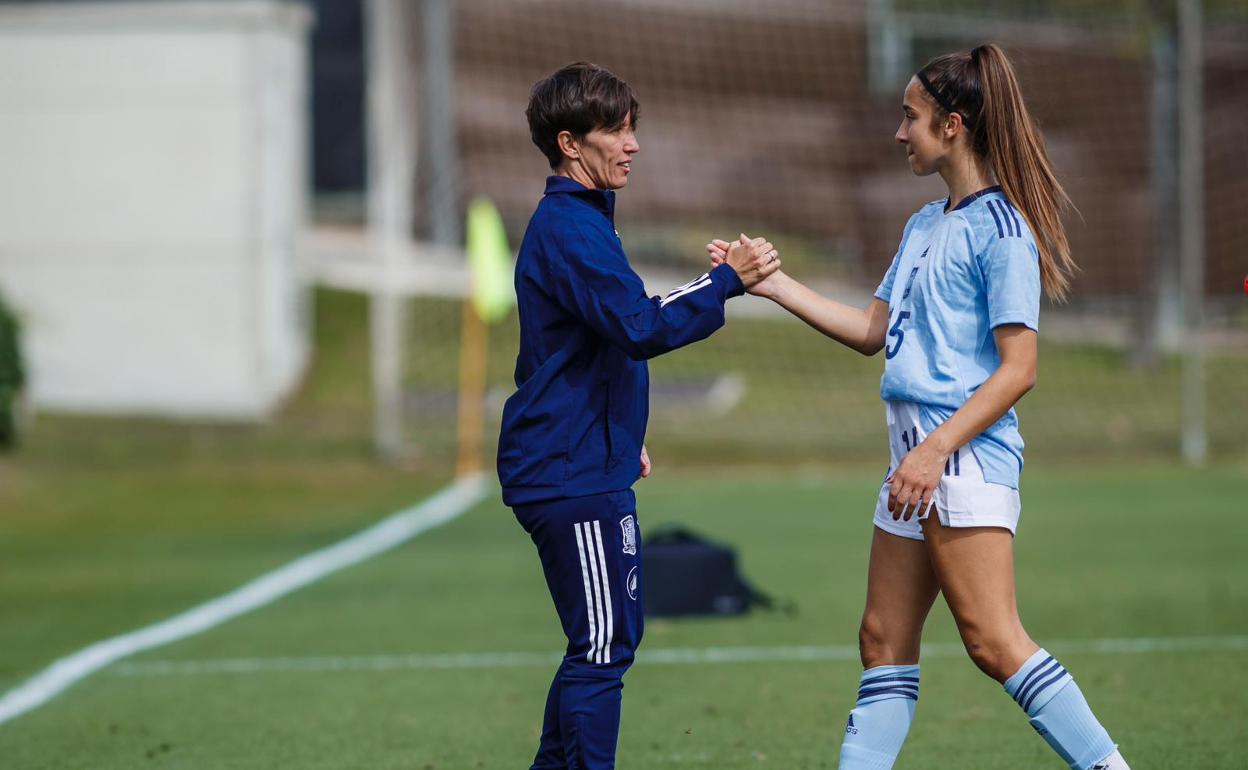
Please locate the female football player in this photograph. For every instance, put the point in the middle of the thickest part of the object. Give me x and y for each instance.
(956, 316)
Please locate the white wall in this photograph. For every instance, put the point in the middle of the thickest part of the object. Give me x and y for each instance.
(153, 180)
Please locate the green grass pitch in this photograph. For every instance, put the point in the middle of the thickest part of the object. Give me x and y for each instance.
(110, 525)
(1102, 553)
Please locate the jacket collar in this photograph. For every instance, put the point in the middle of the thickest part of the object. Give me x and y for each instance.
(603, 200)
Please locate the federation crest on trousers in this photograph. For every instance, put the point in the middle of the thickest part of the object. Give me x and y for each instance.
(628, 536)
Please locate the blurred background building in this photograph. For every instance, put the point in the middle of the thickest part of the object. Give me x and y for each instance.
(154, 194)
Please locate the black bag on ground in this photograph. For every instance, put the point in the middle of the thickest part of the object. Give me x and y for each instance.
(686, 574)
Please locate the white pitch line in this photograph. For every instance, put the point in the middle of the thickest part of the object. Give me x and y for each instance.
(382, 536)
(669, 656)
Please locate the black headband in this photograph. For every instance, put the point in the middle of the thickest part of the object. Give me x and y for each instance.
(940, 98)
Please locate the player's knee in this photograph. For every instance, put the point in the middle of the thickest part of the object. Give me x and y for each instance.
(880, 645)
(992, 653)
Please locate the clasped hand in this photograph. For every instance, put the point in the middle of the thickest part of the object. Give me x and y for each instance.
(754, 259)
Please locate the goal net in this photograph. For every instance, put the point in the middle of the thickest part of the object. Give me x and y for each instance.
(777, 118)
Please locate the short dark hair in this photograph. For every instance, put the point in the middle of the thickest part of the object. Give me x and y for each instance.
(578, 98)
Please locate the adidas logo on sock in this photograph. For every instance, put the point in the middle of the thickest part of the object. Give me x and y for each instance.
(849, 726)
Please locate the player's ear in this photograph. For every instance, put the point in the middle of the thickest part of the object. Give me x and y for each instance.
(953, 124)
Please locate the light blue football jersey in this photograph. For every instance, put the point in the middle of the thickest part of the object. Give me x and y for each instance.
(956, 277)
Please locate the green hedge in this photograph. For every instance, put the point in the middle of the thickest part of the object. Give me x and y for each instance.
(12, 374)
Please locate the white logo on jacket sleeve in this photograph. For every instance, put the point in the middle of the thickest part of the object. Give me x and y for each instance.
(631, 584)
(701, 282)
(628, 534)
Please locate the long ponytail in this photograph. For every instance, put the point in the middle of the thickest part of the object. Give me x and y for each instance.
(981, 85)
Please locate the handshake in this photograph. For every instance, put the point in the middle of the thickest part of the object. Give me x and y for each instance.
(754, 259)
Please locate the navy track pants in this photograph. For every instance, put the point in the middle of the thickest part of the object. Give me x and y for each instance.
(590, 549)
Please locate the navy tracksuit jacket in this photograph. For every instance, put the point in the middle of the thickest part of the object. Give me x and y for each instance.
(571, 440)
(576, 422)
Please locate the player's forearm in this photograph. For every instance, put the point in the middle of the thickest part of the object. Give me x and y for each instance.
(847, 325)
(993, 399)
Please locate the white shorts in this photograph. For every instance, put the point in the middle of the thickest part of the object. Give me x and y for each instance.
(962, 498)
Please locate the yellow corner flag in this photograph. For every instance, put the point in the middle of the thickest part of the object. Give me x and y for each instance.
(489, 262)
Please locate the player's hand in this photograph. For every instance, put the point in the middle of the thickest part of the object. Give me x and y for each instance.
(769, 287)
(766, 288)
(752, 259)
(911, 486)
(645, 462)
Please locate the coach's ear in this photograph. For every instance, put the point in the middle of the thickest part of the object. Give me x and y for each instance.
(568, 145)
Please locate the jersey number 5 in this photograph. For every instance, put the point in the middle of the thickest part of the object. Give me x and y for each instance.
(898, 332)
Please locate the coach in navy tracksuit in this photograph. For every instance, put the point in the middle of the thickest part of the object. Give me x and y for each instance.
(571, 444)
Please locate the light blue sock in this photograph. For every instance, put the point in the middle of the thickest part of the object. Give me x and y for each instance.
(878, 725)
(1059, 712)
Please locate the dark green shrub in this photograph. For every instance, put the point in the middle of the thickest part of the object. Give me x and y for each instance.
(12, 375)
